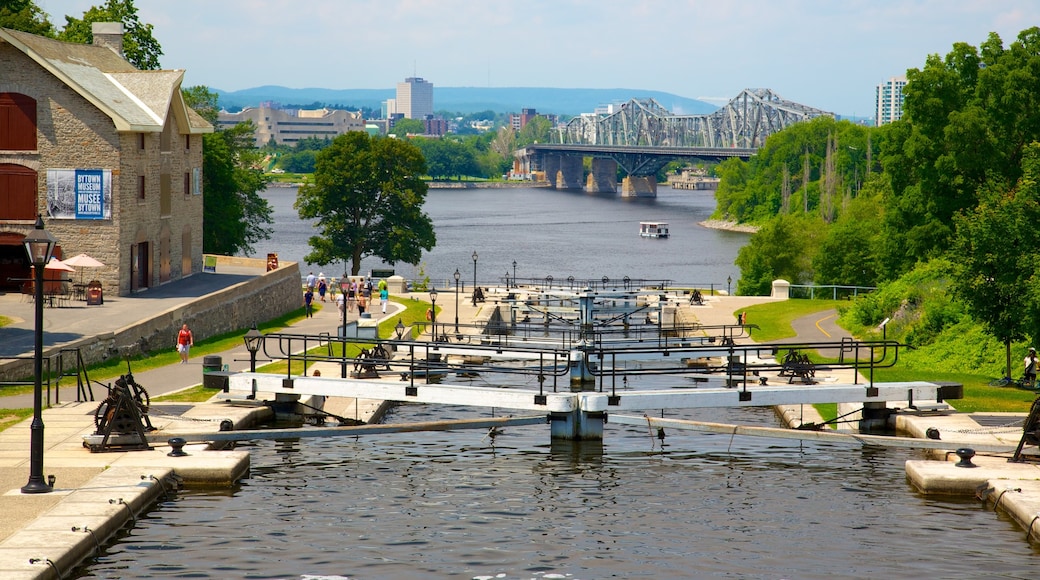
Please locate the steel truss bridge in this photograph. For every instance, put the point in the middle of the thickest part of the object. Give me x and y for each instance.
(745, 122)
(642, 136)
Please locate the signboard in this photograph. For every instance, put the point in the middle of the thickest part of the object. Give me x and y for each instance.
(209, 264)
(79, 194)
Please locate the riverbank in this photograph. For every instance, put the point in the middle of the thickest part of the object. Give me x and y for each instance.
(485, 184)
(729, 226)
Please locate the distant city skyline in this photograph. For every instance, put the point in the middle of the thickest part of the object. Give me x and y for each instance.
(823, 54)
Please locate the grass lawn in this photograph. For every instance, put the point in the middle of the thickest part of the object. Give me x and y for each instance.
(774, 322)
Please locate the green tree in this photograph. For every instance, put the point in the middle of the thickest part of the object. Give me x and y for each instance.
(783, 248)
(997, 245)
(26, 16)
(967, 120)
(235, 216)
(140, 48)
(404, 127)
(367, 197)
(535, 131)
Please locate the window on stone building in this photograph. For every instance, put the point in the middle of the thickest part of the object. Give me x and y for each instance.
(140, 187)
(187, 183)
(187, 142)
(165, 194)
(19, 185)
(166, 137)
(140, 141)
(17, 122)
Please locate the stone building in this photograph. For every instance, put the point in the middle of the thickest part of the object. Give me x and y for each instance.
(110, 155)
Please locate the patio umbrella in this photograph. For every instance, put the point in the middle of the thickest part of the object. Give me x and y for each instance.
(59, 266)
(84, 261)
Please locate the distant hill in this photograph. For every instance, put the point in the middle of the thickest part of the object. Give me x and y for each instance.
(470, 99)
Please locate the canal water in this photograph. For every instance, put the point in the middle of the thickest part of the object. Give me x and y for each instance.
(515, 506)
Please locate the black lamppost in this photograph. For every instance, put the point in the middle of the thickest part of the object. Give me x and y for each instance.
(457, 275)
(344, 284)
(40, 246)
(474, 277)
(399, 329)
(514, 273)
(433, 310)
(729, 280)
(507, 279)
(253, 338)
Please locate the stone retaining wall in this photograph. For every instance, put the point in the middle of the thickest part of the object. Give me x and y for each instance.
(257, 300)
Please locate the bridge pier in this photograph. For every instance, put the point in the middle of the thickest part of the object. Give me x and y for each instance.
(603, 177)
(570, 172)
(551, 166)
(639, 186)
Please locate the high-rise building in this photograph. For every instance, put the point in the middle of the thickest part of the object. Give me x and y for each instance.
(890, 100)
(415, 98)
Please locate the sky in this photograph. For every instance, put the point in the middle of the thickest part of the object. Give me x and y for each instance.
(828, 54)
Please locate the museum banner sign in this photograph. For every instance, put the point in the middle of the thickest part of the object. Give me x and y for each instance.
(79, 194)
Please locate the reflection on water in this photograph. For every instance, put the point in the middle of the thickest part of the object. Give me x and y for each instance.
(466, 505)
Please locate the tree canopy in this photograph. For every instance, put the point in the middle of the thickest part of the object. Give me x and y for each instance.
(26, 16)
(140, 48)
(367, 196)
(235, 216)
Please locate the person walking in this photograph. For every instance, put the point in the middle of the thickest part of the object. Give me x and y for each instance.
(310, 281)
(362, 302)
(322, 287)
(185, 340)
(308, 302)
(1030, 367)
(384, 297)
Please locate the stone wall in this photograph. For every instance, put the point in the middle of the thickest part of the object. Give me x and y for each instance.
(257, 300)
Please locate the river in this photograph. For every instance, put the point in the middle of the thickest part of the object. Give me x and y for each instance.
(547, 233)
(515, 506)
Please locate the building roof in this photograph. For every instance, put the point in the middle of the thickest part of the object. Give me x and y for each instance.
(135, 100)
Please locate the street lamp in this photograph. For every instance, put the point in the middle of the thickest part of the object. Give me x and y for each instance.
(253, 338)
(40, 246)
(729, 280)
(474, 277)
(344, 284)
(457, 300)
(399, 329)
(514, 273)
(433, 310)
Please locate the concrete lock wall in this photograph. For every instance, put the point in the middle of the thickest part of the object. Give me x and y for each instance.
(256, 300)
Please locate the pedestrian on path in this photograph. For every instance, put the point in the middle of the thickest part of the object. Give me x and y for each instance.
(310, 281)
(1030, 364)
(362, 302)
(185, 340)
(322, 287)
(308, 302)
(384, 297)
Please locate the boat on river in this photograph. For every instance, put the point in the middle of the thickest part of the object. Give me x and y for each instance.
(653, 229)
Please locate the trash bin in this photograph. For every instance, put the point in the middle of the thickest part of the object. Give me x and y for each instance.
(95, 296)
(211, 363)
